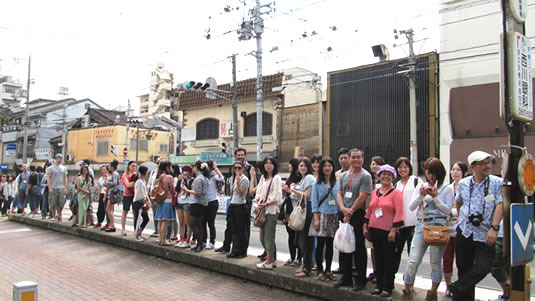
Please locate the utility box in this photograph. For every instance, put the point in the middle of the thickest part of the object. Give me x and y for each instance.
(25, 291)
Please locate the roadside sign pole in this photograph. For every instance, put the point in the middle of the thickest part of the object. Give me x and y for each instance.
(517, 105)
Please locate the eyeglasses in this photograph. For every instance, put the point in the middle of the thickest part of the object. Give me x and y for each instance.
(238, 167)
(483, 163)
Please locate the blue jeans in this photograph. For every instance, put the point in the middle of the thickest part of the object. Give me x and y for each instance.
(418, 248)
(44, 204)
(34, 196)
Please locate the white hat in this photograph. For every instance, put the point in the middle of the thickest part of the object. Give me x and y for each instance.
(478, 156)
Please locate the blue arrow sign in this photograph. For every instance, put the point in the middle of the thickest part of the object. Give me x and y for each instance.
(521, 234)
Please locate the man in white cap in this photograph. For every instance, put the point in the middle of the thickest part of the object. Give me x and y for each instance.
(479, 203)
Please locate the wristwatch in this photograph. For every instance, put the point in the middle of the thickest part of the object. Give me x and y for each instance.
(496, 227)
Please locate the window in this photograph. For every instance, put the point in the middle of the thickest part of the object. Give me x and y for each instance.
(164, 148)
(143, 145)
(208, 129)
(250, 125)
(103, 148)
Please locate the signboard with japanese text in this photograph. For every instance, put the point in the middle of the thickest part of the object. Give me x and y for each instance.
(189, 134)
(218, 157)
(225, 129)
(183, 159)
(43, 154)
(520, 96)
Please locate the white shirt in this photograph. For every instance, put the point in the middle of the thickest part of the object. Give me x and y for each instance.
(140, 190)
(409, 216)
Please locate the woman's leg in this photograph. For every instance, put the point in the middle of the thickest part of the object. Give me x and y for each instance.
(181, 222)
(187, 220)
(162, 225)
(109, 210)
(83, 203)
(320, 243)
(328, 253)
(291, 242)
(212, 213)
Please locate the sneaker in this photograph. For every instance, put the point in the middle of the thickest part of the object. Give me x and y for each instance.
(264, 266)
(179, 244)
(139, 238)
(288, 262)
(97, 225)
(185, 245)
(106, 227)
(210, 246)
(123, 233)
(155, 234)
(143, 237)
(297, 262)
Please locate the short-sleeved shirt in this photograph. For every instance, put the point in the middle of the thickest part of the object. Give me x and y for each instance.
(361, 183)
(23, 179)
(132, 178)
(34, 179)
(475, 203)
(306, 182)
(57, 176)
(236, 198)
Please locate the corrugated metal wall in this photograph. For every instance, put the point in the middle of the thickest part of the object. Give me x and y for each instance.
(369, 109)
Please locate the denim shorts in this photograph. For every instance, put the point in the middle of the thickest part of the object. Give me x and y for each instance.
(183, 206)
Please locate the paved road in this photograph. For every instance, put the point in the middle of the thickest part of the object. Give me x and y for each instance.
(70, 268)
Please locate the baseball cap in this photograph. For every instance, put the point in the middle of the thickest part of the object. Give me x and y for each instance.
(478, 156)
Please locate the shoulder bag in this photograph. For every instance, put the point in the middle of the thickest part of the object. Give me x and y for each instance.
(298, 216)
(435, 234)
(260, 217)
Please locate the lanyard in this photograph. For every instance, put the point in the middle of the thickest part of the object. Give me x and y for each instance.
(486, 192)
(350, 181)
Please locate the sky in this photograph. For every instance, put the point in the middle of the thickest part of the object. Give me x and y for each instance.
(105, 50)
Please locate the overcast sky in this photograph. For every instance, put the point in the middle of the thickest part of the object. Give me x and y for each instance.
(105, 50)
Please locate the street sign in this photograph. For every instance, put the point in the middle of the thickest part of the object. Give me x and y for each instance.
(4, 166)
(125, 151)
(125, 161)
(520, 96)
(218, 157)
(521, 234)
(11, 146)
(519, 8)
(526, 174)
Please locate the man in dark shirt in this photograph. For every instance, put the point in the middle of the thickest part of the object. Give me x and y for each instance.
(33, 191)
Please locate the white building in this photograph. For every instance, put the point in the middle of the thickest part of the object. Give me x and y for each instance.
(9, 91)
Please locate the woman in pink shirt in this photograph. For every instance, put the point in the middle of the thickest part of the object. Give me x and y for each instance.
(381, 223)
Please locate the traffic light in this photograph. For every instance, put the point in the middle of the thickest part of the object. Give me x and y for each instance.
(114, 149)
(193, 86)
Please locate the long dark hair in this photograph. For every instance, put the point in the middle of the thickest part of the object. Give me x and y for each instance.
(202, 168)
(435, 166)
(462, 166)
(162, 169)
(176, 170)
(275, 166)
(87, 176)
(321, 177)
(307, 163)
(294, 176)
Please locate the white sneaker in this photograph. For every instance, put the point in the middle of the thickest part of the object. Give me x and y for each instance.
(210, 246)
(179, 244)
(139, 238)
(185, 245)
(264, 266)
(123, 233)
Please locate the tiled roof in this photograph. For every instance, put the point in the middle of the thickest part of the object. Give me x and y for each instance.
(246, 91)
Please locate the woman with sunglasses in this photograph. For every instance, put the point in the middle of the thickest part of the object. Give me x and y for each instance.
(238, 212)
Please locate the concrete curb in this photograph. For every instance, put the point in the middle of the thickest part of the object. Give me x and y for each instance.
(282, 277)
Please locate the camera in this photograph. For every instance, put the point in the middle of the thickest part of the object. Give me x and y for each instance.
(476, 219)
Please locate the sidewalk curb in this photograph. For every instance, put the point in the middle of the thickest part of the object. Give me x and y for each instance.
(281, 277)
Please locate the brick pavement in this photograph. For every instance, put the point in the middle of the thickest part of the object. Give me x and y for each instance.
(70, 268)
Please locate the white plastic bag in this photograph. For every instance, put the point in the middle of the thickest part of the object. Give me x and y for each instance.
(344, 239)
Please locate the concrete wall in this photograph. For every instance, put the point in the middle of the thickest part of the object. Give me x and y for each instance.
(301, 126)
(469, 55)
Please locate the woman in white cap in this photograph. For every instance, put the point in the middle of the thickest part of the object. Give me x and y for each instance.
(381, 224)
(433, 201)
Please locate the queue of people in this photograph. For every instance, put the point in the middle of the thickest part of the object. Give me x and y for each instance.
(388, 209)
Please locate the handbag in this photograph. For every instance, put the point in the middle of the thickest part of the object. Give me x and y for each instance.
(298, 216)
(435, 234)
(260, 217)
(115, 196)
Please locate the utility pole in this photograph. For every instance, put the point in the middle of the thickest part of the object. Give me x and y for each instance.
(137, 142)
(64, 133)
(127, 130)
(517, 107)
(412, 100)
(245, 32)
(258, 29)
(26, 115)
(234, 105)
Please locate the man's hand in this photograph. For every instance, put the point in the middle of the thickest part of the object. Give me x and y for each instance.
(392, 235)
(491, 237)
(348, 212)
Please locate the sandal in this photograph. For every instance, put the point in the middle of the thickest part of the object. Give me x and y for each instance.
(330, 276)
(302, 273)
(323, 277)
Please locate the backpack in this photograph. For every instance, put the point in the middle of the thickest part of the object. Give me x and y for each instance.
(157, 193)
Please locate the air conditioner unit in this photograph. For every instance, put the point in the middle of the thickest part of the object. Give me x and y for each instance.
(154, 158)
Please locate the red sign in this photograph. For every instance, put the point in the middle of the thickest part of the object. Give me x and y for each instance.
(125, 151)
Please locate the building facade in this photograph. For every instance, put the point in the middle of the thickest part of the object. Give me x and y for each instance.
(469, 80)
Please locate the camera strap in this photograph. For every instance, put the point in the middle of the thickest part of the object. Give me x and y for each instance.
(486, 192)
